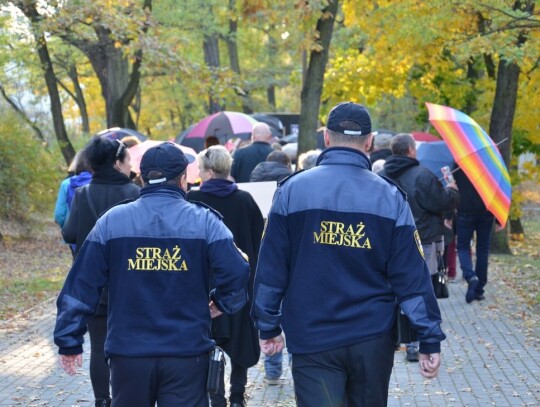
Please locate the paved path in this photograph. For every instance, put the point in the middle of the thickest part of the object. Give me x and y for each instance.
(491, 358)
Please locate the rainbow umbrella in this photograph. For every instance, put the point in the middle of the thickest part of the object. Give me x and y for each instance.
(477, 156)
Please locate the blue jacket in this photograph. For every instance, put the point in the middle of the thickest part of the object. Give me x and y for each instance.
(340, 251)
(61, 208)
(155, 254)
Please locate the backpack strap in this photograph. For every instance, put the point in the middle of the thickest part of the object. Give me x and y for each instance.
(89, 199)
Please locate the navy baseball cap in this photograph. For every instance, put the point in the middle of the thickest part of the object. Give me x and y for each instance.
(165, 158)
(349, 112)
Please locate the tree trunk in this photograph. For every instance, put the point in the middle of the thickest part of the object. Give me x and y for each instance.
(118, 85)
(502, 115)
(271, 89)
(234, 61)
(313, 81)
(211, 57)
(79, 98)
(68, 152)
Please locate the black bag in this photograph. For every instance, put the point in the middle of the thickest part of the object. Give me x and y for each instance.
(215, 367)
(440, 279)
(404, 331)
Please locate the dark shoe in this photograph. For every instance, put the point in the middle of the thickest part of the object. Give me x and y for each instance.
(471, 289)
(103, 402)
(479, 297)
(271, 381)
(412, 355)
(237, 405)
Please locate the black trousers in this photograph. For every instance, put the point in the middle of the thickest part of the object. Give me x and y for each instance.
(352, 376)
(167, 381)
(99, 370)
(238, 382)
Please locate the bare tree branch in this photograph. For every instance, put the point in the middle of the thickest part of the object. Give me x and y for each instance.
(22, 115)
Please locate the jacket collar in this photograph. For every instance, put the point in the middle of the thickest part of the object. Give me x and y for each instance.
(344, 156)
(169, 190)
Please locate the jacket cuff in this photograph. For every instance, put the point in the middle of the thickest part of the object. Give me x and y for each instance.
(76, 350)
(428, 348)
(216, 303)
(270, 334)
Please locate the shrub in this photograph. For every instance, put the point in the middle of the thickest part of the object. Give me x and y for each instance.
(29, 172)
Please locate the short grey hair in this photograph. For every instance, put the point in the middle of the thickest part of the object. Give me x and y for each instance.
(382, 140)
(308, 159)
(401, 143)
(217, 159)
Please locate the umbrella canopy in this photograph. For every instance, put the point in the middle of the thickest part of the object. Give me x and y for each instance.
(425, 137)
(477, 156)
(137, 151)
(118, 133)
(276, 126)
(224, 126)
(434, 156)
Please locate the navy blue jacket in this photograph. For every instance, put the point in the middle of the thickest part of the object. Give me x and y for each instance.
(155, 254)
(246, 159)
(339, 252)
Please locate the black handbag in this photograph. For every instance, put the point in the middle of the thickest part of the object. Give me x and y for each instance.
(440, 279)
(404, 331)
(215, 368)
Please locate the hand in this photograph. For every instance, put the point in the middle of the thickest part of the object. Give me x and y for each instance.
(429, 365)
(70, 363)
(452, 185)
(272, 346)
(214, 311)
(448, 223)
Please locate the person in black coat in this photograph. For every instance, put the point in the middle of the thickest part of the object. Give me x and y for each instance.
(236, 333)
(110, 185)
(247, 158)
(276, 167)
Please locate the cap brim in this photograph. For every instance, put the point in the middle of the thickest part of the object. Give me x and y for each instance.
(189, 157)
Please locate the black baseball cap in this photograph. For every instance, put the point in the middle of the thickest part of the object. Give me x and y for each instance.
(349, 112)
(165, 158)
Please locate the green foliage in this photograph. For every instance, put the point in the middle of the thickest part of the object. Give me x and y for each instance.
(28, 182)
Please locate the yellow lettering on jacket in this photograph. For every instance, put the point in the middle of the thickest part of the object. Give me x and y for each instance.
(157, 259)
(341, 234)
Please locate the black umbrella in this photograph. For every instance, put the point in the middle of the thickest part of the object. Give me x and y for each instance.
(118, 133)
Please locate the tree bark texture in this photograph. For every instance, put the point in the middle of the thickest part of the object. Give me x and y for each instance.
(79, 98)
(502, 114)
(314, 78)
(211, 57)
(68, 152)
(234, 61)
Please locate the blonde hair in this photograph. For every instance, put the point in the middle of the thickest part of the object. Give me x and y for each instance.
(217, 159)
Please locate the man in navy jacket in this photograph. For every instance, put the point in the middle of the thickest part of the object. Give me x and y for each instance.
(155, 254)
(340, 251)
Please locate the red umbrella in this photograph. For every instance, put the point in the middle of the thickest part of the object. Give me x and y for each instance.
(223, 125)
(137, 151)
(425, 137)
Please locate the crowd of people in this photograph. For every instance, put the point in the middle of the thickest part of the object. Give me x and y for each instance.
(164, 273)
